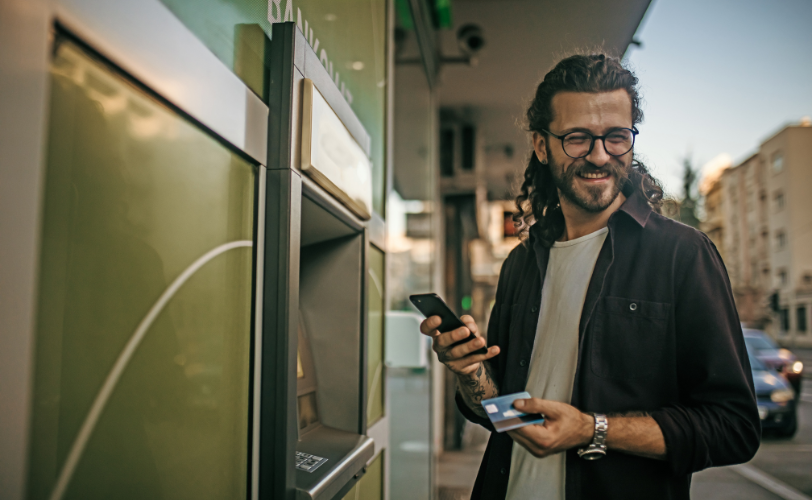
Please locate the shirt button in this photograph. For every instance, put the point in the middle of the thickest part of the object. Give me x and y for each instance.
(534, 309)
(523, 362)
(633, 306)
(503, 471)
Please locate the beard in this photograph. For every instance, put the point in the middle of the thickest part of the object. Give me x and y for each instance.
(593, 199)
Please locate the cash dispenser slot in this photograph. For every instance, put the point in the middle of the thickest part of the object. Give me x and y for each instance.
(331, 452)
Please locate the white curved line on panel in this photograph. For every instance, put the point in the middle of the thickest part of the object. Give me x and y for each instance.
(78, 447)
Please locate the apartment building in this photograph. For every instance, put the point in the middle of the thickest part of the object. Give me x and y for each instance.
(761, 212)
(788, 155)
(743, 205)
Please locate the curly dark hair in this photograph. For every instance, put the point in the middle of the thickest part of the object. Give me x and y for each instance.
(538, 201)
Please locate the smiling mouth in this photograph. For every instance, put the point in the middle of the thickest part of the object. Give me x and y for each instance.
(594, 175)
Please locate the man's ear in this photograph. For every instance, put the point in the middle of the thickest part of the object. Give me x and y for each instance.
(539, 145)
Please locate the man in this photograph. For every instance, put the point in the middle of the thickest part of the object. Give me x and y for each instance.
(618, 321)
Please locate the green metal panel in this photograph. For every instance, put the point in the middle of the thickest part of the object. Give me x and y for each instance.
(375, 348)
(370, 486)
(143, 322)
(348, 35)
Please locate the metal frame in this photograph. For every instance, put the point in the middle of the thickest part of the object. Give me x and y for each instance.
(24, 42)
(426, 39)
(147, 42)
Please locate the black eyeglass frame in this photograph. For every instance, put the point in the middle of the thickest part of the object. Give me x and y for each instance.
(561, 138)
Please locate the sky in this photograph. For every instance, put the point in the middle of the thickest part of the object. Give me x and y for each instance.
(718, 77)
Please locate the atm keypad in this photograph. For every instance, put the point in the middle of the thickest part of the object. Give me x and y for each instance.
(308, 463)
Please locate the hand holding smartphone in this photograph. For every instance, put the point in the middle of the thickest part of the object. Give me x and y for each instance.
(430, 304)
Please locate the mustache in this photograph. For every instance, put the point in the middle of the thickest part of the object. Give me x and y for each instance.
(620, 172)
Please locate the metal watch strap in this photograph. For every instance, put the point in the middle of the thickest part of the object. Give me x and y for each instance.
(597, 448)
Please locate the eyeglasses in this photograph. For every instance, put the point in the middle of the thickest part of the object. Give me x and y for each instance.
(579, 144)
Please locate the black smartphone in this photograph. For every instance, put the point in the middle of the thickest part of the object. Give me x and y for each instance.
(430, 304)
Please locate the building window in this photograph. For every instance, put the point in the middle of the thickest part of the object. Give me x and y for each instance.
(784, 313)
(800, 319)
(782, 277)
(807, 279)
(778, 161)
(780, 240)
(447, 153)
(780, 200)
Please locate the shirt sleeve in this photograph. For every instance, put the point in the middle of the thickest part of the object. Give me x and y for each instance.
(716, 421)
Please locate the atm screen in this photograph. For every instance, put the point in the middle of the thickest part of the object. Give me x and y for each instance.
(305, 384)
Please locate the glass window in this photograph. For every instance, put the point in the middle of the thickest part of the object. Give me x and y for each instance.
(756, 365)
(782, 277)
(784, 319)
(778, 161)
(801, 318)
(780, 240)
(759, 343)
(145, 290)
(779, 200)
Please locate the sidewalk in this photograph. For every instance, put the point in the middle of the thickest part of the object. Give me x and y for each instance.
(456, 470)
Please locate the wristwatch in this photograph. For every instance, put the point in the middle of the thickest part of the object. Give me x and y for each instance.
(597, 448)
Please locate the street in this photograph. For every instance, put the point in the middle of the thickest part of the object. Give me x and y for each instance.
(782, 468)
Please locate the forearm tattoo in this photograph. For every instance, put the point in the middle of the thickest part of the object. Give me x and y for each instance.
(478, 387)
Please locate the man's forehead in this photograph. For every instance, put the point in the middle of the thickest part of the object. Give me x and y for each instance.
(608, 109)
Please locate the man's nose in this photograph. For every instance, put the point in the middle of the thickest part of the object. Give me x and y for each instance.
(598, 156)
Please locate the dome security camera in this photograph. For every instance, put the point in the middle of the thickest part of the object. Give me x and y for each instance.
(470, 39)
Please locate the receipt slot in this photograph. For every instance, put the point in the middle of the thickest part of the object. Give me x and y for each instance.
(312, 387)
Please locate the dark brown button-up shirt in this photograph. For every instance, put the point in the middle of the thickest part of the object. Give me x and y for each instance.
(659, 333)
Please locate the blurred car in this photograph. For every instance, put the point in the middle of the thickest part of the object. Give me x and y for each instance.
(760, 345)
(775, 397)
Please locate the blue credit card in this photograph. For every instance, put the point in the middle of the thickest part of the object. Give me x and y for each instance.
(505, 416)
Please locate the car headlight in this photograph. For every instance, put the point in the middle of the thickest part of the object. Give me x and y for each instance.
(797, 367)
(782, 395)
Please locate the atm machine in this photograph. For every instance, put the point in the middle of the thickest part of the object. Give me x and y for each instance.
(201, 300)
(311, 425)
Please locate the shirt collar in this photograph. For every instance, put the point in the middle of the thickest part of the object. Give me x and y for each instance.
(636, 206)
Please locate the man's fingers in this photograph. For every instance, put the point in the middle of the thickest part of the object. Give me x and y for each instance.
(460, 364)
(470, 323)
(429, 326)
(467, 348)
(445, 339)
(536, 405)
(533, 432)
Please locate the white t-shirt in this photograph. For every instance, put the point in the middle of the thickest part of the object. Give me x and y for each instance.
(555, 357)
